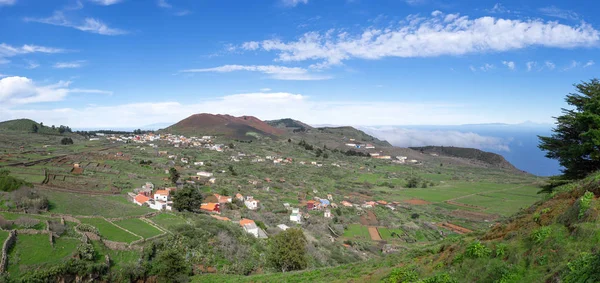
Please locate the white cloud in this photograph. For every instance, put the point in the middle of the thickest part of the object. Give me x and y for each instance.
(530, 65)
(589, 64)
(553, 11)
(274, 106)
(69, 65)
(88, 25)
(415, 2)
(22, 90)
(486, 67)
(274, 72)
(106, 2)
(498, 9)
(164, 4)
(403, 137)
(9, 51)
(293, 3)
(31, 64)
(430, 37)
(266, 89)
(549, 65)
(509, 64)
(7, 2)
(572, 65)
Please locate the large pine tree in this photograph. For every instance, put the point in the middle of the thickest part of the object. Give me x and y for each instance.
(575, 141)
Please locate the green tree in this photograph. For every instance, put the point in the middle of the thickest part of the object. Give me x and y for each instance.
(288, 250)
(61, 129)
(575, 141)
(170, 266)
(173, 175)
(34, 128)
(232, 170)
(412, 182)
(66, 141)
(187, 199)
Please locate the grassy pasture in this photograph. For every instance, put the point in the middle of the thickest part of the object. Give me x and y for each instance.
(80, 204)
(357, 231)
(109, 231)
(168, 221)
(386, 233)
(139, 227)
(34, 250)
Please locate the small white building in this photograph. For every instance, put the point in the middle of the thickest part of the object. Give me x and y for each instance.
(296, 216)
(199, 163)
(251, 203)
(283, 227)
(204, 174)
(327, 213)
(161, 195)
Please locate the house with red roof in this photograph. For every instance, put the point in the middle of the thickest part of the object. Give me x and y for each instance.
(140, 199)
(211, 207)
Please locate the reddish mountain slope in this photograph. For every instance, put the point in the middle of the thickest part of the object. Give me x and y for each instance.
(223, 125)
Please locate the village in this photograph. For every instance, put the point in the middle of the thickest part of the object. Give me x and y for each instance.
(160, 198)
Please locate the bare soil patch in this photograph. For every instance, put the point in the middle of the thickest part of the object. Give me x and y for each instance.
(374, 234)
(455, 228)
(369, 219)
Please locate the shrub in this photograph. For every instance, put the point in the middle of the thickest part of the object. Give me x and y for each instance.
(477, 250)
(500, 250)
(86, 251)
(440, 278)
(403, 274)
(66, 141)
(585, 202)
(56, 227)
(586, 268)
(26, 222)
(538, 236)
(412, 182)
(88, 228)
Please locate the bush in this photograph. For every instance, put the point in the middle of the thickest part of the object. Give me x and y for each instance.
(585, 202)
(500, 250)
(403, 274)
(539, 236)
(477, 250)
(66, 141)
(56, 227)
(412, 182)
(86, 251)
(440, 278)
(88, 228)
(586, 268)
(26, 222)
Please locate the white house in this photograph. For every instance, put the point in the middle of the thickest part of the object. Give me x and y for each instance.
(184, 160)
(204, 174)
(296, 216)
(327, 213)
(212, 180)
(251, 203)
(148, 186)
(161, 195)
(283, 227)
(199, 163)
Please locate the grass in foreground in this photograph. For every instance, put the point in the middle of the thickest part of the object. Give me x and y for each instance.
(34, 250)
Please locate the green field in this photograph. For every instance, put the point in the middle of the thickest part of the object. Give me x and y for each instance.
(109, 231)
(33, 250)
(357, 231)
(139, 227)
(120, 259)
(168, 221)
(79, 204)
(386, 233)
(3, 236)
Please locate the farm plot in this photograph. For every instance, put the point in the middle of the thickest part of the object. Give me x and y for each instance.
(168, 221)
(88, 205)
(139, 227)
(500, 203)
(34, 250)
(390, 233)
(109, 231)
(357, 231)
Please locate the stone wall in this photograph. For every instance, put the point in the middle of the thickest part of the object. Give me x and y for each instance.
(10, 241)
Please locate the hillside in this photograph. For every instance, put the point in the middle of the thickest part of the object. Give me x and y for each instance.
(485, 157)
(554, 240)
(289, 124)
(242, 128)
(21, 125)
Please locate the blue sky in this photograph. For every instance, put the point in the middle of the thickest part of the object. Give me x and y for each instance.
(111, 63)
